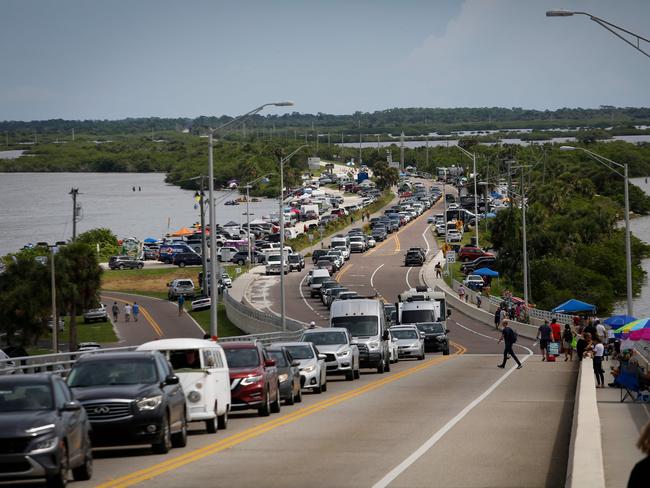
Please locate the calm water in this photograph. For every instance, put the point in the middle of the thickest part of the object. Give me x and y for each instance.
(36, 206)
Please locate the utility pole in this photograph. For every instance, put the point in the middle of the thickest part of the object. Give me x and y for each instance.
(74, 192)
(55, 318)
(525, 247)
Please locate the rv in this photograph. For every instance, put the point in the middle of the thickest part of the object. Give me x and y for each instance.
(421, 304)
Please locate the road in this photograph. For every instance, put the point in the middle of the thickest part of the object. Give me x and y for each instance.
(454, 420)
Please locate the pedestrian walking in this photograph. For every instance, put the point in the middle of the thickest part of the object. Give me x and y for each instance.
(567, 341)
(509, 337)
(497, 318)
(461, 292)
(116, 312)
(598, 351)
(478, 299)
(181, 302)
(127, 312)
(556, 328)
(136, 311)
(438, 269)
(544, 337)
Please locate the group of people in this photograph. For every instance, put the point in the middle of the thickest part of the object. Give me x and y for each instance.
(129, 310)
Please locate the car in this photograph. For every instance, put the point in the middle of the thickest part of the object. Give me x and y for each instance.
(347, 295)
(341, 356)
(226, 280)
(288, 374)
(337, 256)
(318, 276)
(131, 398)
(254, 379)
(330, 294)
(88, 346)
(474, 282)
(469, 253)
(99, 314)
(483, 261)
(274, 264)
(202, 369)
(311, 363)
(44, 431)
(454, 236)
(241, 257)
(371, 242)
(441, 229)
(379, 233)
(201, 303)
(125, 262)
(182, 259)
(410, 343)
(61, 323)
(151, 253)
(390, 311)
(453, 206)
(435, 336)
(296, 262)
(178, 287)
(225, 254)
(413, 258)
(393, 350)
(326, 264)
(315, 256)
(328, 285)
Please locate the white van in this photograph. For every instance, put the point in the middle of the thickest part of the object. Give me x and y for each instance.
(202, 368)
(317, 278)
(343, 244)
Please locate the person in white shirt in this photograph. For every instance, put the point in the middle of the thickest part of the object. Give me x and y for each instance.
(127, 312)
(598, 350)
(600, 330)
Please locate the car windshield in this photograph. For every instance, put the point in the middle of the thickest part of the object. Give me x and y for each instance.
(404, 334)
(301, 352)
(19, 397)
(326, 338)
(359, 326)
(242, 358)
(102, 373)
(294, 259)
(414, 316)
(279, 357)
(274, 258)
(431, 328)
(186, 359)
(319, 279)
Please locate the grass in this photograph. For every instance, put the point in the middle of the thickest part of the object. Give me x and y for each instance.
(226, 327)
(101, 332)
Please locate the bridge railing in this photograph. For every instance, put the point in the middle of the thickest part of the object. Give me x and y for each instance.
(254, 321)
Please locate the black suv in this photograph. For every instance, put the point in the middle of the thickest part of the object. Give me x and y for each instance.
(131, 398)
(316, 255)
(182, 259)
(480, 262)
(413, 258)
(435, 337)
(241, 257)
(125, 262)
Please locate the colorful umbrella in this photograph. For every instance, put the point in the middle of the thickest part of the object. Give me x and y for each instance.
(636, 331)
(619, 320)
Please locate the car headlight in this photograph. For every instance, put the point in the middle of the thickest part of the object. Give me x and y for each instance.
(149, 403)
(283, 377)
(343, 354)
(373, 345)
(40, 430)
(194, 396)
(249, 380)
(44, 445)
(309, 369)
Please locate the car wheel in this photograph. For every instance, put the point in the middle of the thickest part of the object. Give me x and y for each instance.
(211, 424)
(165, 444)
(290, 400)
(85, 471)
(240, 262)
(324, 387)
(276, 405)
(222, 420)
(381, 367)
(387, 368)
(181, 264)
(357, 373)
(265, 411)
(120, 267)
(349, 376)
(140, 266)
(298, 397)
(180, 438)
(60, 479)
(445, 352)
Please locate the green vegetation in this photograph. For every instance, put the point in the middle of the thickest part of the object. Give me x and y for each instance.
(101, 332)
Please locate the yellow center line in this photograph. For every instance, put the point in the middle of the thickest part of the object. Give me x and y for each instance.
(145, 313)
(231, 441)
(344, 270)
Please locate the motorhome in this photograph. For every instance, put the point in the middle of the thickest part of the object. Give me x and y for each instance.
(421, 304)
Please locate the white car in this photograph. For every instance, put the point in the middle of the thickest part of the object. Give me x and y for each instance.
(201, 303)
(410, 343)
(226, 280)
(454, 236)
(202, 368)
(474, 282)
(342, 357)
(392, 348)
(371, 242)
(313, 372)
(453, 206)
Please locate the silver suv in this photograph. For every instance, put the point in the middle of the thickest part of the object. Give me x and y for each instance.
(180, 287)
(342, 357)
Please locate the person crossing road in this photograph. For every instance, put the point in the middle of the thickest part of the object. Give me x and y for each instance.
(509, 337)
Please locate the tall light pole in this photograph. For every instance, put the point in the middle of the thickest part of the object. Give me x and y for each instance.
(613, 28)
(283, 315)
(214, 293)
(248, 220)
(473, 157)
(628, 239)
(55, 318)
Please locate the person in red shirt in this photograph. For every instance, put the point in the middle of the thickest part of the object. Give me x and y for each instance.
(556, 329)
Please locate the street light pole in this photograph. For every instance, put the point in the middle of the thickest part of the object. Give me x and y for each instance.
(628, 238)
(283, 315)
(214, 295)
(55, 318)
(473, 156)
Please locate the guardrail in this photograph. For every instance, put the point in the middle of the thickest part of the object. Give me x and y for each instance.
(267, 338)
(254, 321)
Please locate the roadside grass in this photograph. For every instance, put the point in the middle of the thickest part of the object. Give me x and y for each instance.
(225, 327)
(101, 332)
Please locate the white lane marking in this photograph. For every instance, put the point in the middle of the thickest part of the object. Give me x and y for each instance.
(490, 337)
(372, 276)
(424, 236)
(407, 278)
(433, 440)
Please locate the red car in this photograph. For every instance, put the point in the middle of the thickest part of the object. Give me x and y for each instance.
(254, 382)
(470, 253)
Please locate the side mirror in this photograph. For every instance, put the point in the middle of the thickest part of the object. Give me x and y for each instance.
(295, 363)
(269, 363)
(322, 356)
(72, 406)
(171, 380)
(446, 331)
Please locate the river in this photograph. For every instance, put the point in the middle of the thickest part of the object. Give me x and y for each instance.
(37, 206)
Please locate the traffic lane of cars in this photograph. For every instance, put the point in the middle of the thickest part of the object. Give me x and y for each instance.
(355, 441)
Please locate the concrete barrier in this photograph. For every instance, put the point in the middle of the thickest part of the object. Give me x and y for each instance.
(585, 468)
(253, 321)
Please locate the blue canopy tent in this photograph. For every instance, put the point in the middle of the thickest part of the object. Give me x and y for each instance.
(619, 320)
(574, 306)
(486, 272)
(150, 240)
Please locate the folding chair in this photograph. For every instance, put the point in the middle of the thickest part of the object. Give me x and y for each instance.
(628, 383)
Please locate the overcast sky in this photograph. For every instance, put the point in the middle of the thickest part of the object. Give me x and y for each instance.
(110, 59)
